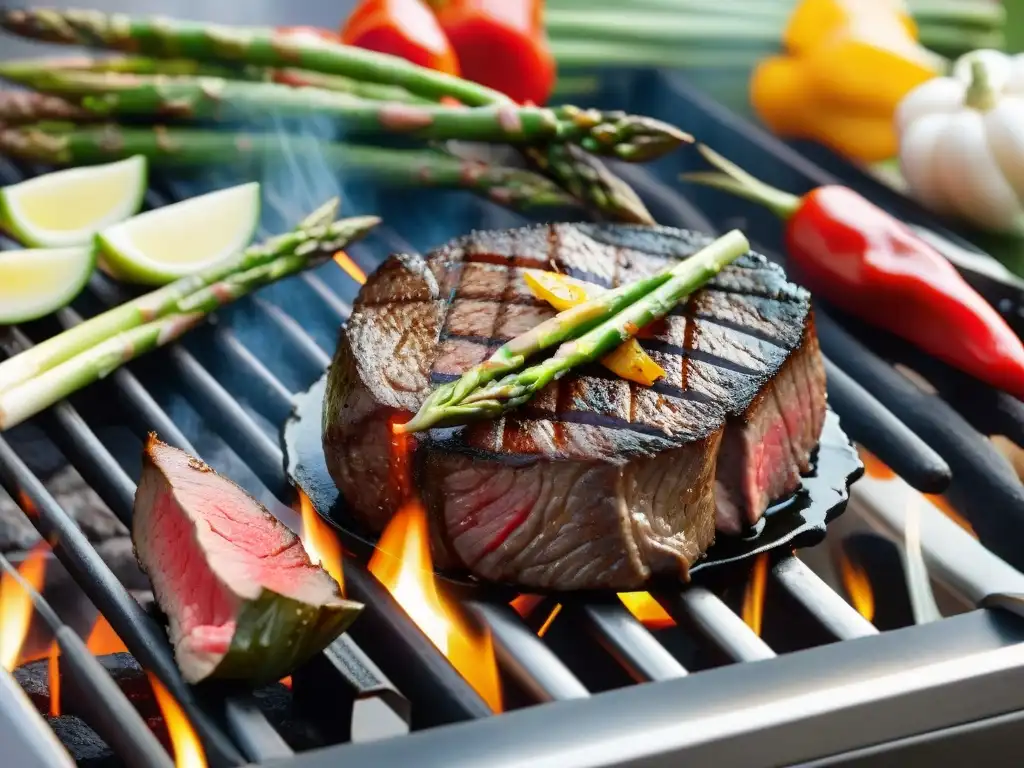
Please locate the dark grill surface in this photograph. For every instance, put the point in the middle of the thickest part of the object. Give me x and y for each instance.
(224, 393)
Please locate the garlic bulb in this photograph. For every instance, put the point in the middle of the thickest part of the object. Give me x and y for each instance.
(961, 141)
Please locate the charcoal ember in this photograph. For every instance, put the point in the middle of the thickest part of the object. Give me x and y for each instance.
(86, 748)
(277, 704)
(16, 532)
(81, 502)
(34, 679)
(75, 497)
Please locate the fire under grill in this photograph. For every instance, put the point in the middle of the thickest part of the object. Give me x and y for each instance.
(585, 682)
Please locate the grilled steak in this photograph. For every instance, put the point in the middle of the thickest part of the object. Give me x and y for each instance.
(596, 482)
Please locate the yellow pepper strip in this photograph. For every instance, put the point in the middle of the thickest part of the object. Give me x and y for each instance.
(850, 63)
(628, 360)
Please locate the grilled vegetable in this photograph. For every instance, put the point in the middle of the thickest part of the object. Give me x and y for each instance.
(41, 376)
(844, 75)
(264, 607)
(857, 256)
(502, 45)
(25, 107)
(403, 28)
(36, 72)
(583, 175)
(562, 292)
(189, 148)
(589, 332)
(627, 137)
(961, 148)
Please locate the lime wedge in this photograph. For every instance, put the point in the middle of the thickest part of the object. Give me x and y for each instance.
(37, 281)
(160, 246)
(69, 207)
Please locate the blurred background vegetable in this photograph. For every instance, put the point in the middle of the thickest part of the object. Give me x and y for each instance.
(961, 146)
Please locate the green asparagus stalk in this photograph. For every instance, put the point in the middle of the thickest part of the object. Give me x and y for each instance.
(35, 72)
(315, 234)
(168, 38)
(586, 333)
(25, 107)
(627, 137)
(68, 144)
(30, 71)
(92, 363)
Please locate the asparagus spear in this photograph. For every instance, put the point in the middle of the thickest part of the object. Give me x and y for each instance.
(25, 107)
(68, 144)
(167, 38)
(309, 235)
(92, 363)
(628, 137)
(260, 46)
(35, 73)
(589, 331)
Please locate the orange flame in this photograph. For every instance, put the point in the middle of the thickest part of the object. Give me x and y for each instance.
(402, 564)
(753, 598)
(103, 639)
(947, 509)
(524, 604)
(351, 268)
(876, 468)
(320, 541)
(26, 504)
(646, 609)
(549, 620)
(286, 682)
(53, 672)
(16, 605)
(188, 751)
(857, 585)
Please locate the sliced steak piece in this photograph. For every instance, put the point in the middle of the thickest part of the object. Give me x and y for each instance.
(597, 482)
(242, 599)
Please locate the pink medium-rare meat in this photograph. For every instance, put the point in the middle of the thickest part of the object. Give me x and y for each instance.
(241, 596)
(597, 482)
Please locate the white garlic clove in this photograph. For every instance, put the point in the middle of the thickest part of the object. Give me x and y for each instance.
(970, 175)
(940, 95)
(918, 162)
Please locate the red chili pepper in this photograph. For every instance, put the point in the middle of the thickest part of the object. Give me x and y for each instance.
(501, 44)
(404, 28)
(855, 255)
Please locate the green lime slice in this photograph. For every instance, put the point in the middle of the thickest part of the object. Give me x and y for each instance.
(37, 281)
(160, 246)
(69, 207)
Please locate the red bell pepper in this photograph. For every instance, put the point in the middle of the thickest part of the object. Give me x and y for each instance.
(501, 44)
(858, 257)
(404, 28)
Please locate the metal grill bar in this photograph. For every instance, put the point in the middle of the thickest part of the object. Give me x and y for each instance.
(715, 620)
(527, 659)
(628, 641)
(834, 613)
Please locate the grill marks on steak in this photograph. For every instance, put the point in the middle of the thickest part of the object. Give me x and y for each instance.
(596, 482)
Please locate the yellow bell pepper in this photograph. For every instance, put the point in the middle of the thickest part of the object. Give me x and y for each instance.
(628, 360)
(848, 65)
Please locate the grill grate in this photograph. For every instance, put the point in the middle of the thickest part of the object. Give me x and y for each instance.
(242, 394)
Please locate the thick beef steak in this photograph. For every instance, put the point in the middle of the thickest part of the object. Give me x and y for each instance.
(597, 482)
